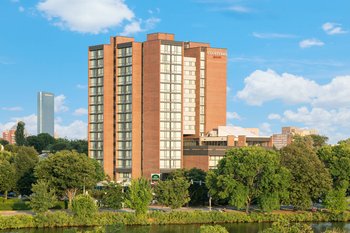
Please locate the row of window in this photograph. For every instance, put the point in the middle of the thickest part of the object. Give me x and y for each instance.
(189, 127)
(190, 72)
(96, 91)
(124, 163)
(123, 80)
(96, 54)
(124, 61)
(124, 145)
(96, 118)
(96, 108)
(96, 136)
(127, 70)
(96, 100)
(125, 126)
(96, 63)
(96, 81)
(174, 107)
(167, 97)
(124, 154)
(173, 49)
(124, 117)
(123, 52)
(96, 145)
(167, 125)
(174, 59)
(124, 136)
(96, 72)
(166, 68)
(173, 145)
(213, 161)
(189, 82)
(167, 135)
(170, 164)
(96, 154)
(189, 109)
(170, 154)
(124, 98)
(124, 89)
(124, 108)
(189, 63)
(166, 87)
(167, 116)
(96, 127)
(173, 78)
(189, 118)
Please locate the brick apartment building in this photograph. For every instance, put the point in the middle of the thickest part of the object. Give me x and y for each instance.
(145, 98)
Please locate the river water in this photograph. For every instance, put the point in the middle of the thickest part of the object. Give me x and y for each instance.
(192, 228)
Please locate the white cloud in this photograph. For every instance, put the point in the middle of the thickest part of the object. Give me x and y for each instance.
(81, 86)
(233, 115)
(86, 16)
(30, 123)
(12, 109)
(333, 28)
(265, 129)
(140, 26)
(274, 116)
(265, 86)
(80, 112)
(75, 130)
(21, 9)
(273, 35)
(310, 43)
(228, 89)
(60, 105)
(333, 123)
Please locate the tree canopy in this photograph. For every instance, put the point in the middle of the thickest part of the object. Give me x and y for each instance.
(68, 171)
(173, 192)
(247, 174)
(19, 134)
(310, 179)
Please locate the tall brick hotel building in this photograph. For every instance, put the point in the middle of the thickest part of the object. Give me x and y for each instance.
(147, 98)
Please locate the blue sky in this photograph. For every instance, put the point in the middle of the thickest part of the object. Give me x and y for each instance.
(288, 64)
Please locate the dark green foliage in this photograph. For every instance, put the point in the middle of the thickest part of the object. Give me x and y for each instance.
(198, 191)
(7, 177)
(336, 200)
(284, 226)
(84, 207)
(173, 193)
(60, 144)
(139, 195)
(337, 160)
(24, 161)
(19, 134)
(213, 229)
(68, 171)
(42, 198)
(247, 174)
(13, 204)
(41, 141)
(112, 196)
(310, 179)
(3, 142)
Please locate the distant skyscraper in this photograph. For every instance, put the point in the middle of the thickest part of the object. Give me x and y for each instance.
(46, 113)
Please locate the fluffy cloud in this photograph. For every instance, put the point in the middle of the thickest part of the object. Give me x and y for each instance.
(140, 26)
(274, 116)
(12, 109)
(233, 115)
(92, 16)
(75, 130)
(264, 86)
(239, 9)
(310, 43)
(60, 105)
(265, 129)
(80, 112)
(333, 123)
(333, 28)
(81, 86)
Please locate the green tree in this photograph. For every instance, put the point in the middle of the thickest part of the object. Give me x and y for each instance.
(198, 191)
(212, 229)
(337, 160)
(283, 226)
(24, 161)
(68, 171)
(3, 142)
(247, 174)
(19, 134)
(84, 207)
(310, 179)
(113, 196)
(43, 198)
(336, 201)
(139, 195)
(40, 142)
(7, 177)
(173, 193)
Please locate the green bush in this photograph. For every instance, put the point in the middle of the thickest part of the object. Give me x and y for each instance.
(336, 201)
(14, 204)
(84, 207)
(284, 226)
(43, 198)
(213, 229)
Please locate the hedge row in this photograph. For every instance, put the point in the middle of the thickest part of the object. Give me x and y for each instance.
(64, 219)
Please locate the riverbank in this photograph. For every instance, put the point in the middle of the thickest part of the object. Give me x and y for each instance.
(65, 219)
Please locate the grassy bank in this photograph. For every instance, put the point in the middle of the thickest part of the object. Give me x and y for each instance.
(64, 219)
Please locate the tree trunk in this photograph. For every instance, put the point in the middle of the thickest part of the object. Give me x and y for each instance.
(247, 207)
(5, 195)
(70, 194)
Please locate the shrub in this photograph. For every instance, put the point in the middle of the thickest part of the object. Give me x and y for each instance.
(139, 195)
(14, 204)
(173, 193)
(213, 229)
(84, 207)
(284, 226)
(113, 196)
(42, 198)
(336, 201)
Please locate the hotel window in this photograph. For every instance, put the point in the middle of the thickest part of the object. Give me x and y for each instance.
(100, 53)
(176, 59)
(165, 68)
(165, 78)
(128, 51)
(164, 48)
(176, 164)
(176, 49)
(177, 69)
(175, 78)
(164, 154)
(165, 58)
(93, 54)
(100, 62)
(176, 154)
(202, 55)
(93, 64)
